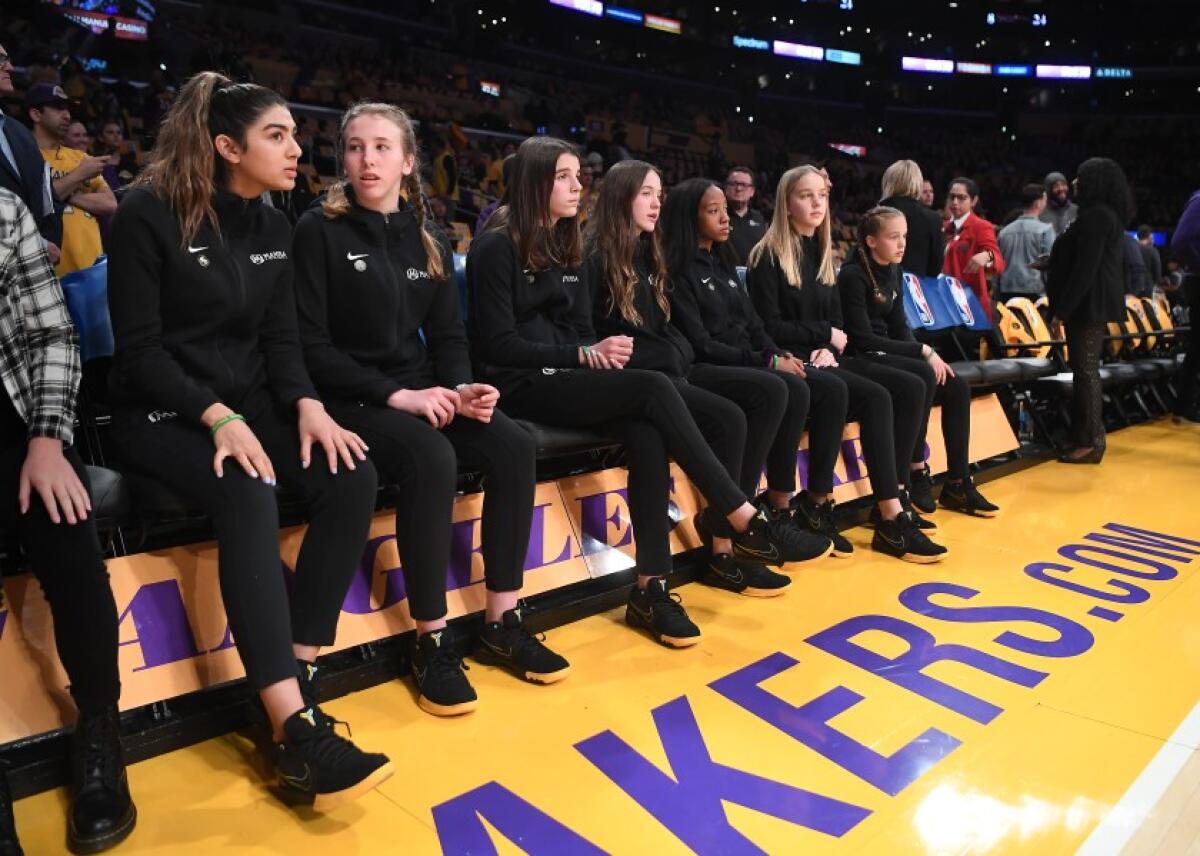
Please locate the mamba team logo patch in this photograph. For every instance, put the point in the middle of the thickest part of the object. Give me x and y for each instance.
(273, 256)
(415, 274)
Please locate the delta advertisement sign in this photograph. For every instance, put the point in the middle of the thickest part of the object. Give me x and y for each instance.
(175, 638)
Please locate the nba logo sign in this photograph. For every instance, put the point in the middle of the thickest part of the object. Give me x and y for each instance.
(918, 298)
(960, 301)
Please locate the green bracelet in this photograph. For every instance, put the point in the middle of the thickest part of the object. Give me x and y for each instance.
(223, 421)
(775, 362)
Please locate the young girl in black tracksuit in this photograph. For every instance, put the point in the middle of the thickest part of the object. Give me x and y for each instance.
(869, 286)
(531, 331)
(212, 397)
(734, 408)
(791, 283)
(709, 306)
(384, 342)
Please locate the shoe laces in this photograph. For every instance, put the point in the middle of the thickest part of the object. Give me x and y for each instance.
(669, 604)
(326, 746)
(99, 745)
(445, 662)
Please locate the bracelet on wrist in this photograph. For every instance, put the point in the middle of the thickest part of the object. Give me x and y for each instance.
(223, 421)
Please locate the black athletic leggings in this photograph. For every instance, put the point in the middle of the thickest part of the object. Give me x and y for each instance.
(739, 411)
(860, 400)
(245, 517)
(69, 565)
(424, 462)
(914, 391)
(643, 409)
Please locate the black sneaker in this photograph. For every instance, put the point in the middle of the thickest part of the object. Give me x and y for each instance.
(661, 612)
(320, 768)
(923, 523)
(965, 498)
(902, 539)
(101, 814)
(440, 675)
(773, 539)
(507, 643)
(9, 844)
(920, 489)
(818, 517)
(742, 577)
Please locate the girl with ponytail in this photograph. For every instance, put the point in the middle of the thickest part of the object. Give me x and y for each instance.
(212, 397)
(869, 286)
(791, 282)
(532, 335)
(384, 341)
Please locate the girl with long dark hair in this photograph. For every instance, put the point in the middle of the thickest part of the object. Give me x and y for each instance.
(384, 341)
(212, 397)
(1086, 290)
(792, 285)
(532, 336)
(869, 285)
(734, 408)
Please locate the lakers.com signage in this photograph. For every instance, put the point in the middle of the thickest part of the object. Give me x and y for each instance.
(175, 638)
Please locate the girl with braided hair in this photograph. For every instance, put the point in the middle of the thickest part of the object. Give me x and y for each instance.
(869, 286)
(384, 340)
(792, 284)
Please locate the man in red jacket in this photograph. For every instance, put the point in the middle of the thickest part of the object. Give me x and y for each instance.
(971, 248)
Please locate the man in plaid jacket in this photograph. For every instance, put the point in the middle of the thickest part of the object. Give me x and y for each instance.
(46, 507)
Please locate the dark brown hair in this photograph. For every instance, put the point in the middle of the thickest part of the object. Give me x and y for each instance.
(525, 212)
(184, 167)
(612, 233)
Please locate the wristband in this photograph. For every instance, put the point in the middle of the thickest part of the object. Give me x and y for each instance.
(775, 362)
(223, 421)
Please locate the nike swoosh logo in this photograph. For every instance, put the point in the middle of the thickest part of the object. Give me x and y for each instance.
(899, 545)
(192, 249)
(647, 614)
(736, 579)
(351, 257)
(302, 783)
(705, 279)
(496, 650)
(773, 553)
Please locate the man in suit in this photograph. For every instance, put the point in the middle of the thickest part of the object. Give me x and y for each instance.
(23, 170)
(971, 248)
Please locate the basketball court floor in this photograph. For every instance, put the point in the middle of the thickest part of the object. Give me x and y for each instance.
(1038, 692)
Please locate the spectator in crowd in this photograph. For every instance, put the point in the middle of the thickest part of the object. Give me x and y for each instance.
(24, 171)
(506, 173)
(971, 252)
(1150, 255)
(748, 225)
(1060, 210)
(590, 192)
(1023, 242)
(903, 186)
(76, 178)
(440, 208)
(49, 509)
(445, 173)
(1185, 247)
(120, 161)
(927, 194)
(1086, 289)
(77, 136)
(1137, 276)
